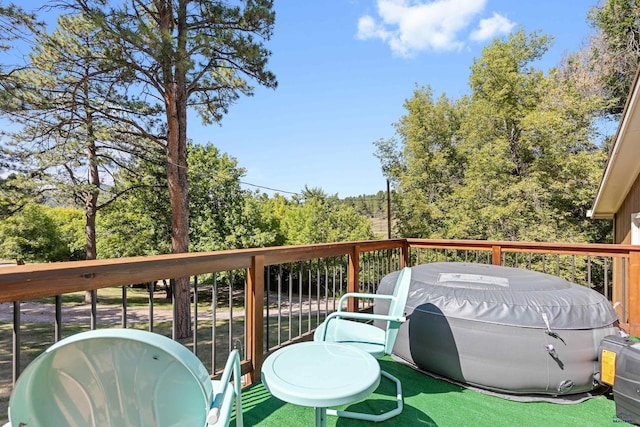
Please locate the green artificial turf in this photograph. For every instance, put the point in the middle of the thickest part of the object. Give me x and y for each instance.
(432, 402)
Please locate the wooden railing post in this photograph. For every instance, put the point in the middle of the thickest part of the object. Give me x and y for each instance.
(496, 255)
(404, 255)
(255, 316)
(354, 277)
(633, 302)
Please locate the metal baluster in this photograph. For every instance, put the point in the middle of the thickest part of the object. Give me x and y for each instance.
(58, 321)
(290, 302)
(16, 341)
(279, 294)
(310, 299)
(123, 320)
(265, 341)
(152, 291)
(318, 291)
(624, 289)
(606, 280)
(326, 287)
(333, 274)
(300, 298)
(372, 271)
(230, 310)
(214, 320)
(342, 268)
(195, 315)
(174, 332)
(94, 316)
(245, 343)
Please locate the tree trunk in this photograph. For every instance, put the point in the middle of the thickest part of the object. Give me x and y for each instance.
(91, 204)
(174, 65)
(178, 196)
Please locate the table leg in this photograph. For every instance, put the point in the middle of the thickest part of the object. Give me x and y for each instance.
(321, 417)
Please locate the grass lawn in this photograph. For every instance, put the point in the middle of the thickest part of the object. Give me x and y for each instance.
(432, 402)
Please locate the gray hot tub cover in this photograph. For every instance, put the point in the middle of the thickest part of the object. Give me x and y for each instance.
(505, 296)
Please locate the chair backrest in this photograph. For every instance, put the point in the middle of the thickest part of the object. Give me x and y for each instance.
(396, 307)
(113, 377)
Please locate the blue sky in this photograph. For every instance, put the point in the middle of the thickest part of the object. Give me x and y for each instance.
(345, 68)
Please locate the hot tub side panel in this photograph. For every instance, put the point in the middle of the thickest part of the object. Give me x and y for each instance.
(502, 358)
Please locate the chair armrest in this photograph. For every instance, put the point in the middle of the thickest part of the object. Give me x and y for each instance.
(231, 368)
(359, 316)
(364, 296)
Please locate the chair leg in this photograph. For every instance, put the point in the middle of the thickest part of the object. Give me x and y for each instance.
(375, 418)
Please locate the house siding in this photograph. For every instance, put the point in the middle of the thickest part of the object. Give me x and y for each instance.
(631, 204)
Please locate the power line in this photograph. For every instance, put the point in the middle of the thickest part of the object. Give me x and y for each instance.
(269, 188)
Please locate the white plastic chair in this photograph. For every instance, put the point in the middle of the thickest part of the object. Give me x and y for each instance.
(224, 394)
(340, 327)
(123, 377)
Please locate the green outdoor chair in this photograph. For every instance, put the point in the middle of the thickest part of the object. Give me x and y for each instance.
(123, 377)
(349, 328)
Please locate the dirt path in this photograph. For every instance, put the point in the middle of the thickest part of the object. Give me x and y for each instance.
(111, 314)
(81, 313)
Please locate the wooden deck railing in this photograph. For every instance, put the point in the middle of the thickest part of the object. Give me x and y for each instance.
(613, 270)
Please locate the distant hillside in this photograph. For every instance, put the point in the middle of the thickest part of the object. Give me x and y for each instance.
(372, 206)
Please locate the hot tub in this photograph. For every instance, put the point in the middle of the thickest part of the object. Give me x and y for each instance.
(504, 329)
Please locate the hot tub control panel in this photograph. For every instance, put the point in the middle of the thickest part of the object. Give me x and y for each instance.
(619, 360)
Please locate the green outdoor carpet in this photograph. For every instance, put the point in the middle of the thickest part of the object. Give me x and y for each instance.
(432, 402)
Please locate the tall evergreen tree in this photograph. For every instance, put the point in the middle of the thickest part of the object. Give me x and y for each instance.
(72, 118)
(187, 54)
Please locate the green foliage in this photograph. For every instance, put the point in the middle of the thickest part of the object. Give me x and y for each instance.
(512, 161)
(32, 235)
(72, 115)
(209, 48)
(615, 50)
(138, 222)
(319, 218)
(70, 223)
(223, 216)
(16, 191)
(15, 24)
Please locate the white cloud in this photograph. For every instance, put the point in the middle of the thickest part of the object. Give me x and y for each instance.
(369, 29)
(491, 27)
(410, 26)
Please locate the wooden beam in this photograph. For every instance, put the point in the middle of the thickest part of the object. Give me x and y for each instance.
(404, 255)
(633, 302)
(255, 316)
(496, 255)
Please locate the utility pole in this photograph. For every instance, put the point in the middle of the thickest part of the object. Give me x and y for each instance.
(388, 211)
